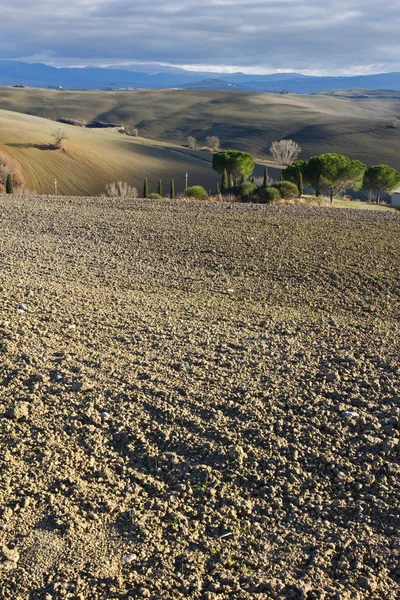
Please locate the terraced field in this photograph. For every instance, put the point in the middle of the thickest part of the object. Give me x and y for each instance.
(198, 401)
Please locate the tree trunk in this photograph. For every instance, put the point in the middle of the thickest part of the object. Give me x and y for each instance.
(331, 195)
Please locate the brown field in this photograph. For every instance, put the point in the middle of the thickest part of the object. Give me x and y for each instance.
(175, 387)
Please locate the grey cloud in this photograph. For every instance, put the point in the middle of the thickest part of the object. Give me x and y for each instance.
(286, 34)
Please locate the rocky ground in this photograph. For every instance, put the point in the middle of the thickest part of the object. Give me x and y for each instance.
(198, 401)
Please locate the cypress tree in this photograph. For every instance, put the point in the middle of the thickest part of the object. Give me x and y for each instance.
(9, 185)
(172, 190)
(159, 189)
(253, 179)
(281, 177)
(265, 182)
(300, 183)
(145, 188)
(217, 190)
(224, 182)
(243, 179)
(230, 180)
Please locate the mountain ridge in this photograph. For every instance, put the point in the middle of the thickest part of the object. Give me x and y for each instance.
(13, 73)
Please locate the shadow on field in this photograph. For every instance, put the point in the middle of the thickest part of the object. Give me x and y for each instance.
(37, 146)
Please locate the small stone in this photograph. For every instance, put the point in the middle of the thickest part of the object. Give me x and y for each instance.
(22, 308)
(105, 415)
(350, 414)
(128, 558)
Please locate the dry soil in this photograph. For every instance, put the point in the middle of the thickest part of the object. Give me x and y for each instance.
(198, 401)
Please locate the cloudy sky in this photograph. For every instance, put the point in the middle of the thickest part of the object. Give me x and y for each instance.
(309, 36)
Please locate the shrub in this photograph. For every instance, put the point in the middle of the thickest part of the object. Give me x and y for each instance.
(191, 142)
(266, 195)
(287, 189)
(58, 136)
(121, 189)
(244, 190)
(196, 191)
(11, 167)
(155, 196)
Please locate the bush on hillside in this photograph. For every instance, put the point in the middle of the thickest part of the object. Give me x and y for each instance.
(155, 196)
(244, 190)
(265, 194)
(287, 189)
(8, 166)
(197, 192)
(75, 122)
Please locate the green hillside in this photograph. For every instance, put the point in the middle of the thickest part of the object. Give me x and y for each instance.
(361, 128)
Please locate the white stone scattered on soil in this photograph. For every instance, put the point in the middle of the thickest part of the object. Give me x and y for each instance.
(349, 414)
(128, 558)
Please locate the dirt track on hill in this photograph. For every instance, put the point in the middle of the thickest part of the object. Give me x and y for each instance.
(198, 401)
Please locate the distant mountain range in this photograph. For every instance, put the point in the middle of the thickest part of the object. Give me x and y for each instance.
(136, 76)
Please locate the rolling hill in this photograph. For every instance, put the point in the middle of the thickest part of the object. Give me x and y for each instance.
(359, 127)
(93, 158)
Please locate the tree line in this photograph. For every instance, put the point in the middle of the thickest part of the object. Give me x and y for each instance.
(331, 174)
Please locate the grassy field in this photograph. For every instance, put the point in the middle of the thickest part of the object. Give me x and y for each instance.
(198, 401)
(361, 128)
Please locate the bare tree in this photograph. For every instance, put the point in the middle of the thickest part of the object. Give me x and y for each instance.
(58, 136)
(135, 132)
(121, 189)
(191, 142)
(212, 142)
(285, 152)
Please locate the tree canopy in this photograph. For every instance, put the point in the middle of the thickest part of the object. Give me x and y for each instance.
(335, 172)
(235, 162)
(379, 179)
(291, 173)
